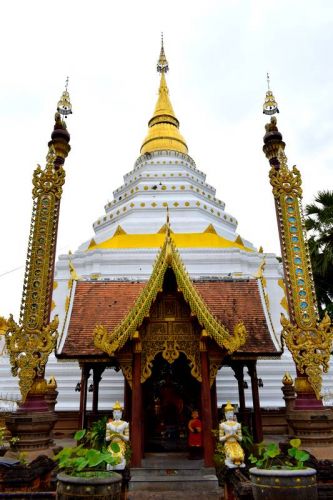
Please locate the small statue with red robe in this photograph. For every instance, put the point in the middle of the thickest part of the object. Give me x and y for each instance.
(195, 436)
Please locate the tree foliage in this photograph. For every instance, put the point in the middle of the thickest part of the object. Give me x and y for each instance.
(319, 224)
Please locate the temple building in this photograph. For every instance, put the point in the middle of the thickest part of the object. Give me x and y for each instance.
(167, 308)
(167, 293)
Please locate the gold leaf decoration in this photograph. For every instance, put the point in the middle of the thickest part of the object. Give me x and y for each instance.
(29, 351)
(310, 349)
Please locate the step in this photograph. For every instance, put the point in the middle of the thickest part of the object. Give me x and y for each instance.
(161, 472)
(174, 495)
(182, 485)
(171, 471)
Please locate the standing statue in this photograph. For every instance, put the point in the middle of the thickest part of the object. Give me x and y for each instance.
(117, 431)
(195, 436)
(230, 433)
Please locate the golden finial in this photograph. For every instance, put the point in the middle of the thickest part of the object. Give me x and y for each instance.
(270, 105)
(163, 133)
(261, 250)
(261, 268)
(168, 219)
(162, 63)
(117, 406)
(72, 270)
(64, 106)
(287, 379)
(52, 383)
(228, 407)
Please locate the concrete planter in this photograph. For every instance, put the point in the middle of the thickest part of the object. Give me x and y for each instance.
(284, 484)
(97, 488)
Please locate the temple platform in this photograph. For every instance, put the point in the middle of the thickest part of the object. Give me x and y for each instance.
(173, 475)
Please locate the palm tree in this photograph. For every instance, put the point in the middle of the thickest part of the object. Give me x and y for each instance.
(319, 223)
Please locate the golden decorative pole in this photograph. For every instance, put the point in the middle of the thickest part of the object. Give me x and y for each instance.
(30, 342)
(308, 340)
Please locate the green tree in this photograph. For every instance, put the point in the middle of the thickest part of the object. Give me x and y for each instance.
(319, 224)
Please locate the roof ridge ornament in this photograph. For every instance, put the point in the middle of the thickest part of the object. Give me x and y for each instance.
(162, 63)
(270, 106)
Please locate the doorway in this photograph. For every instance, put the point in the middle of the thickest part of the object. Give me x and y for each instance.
(170, 394)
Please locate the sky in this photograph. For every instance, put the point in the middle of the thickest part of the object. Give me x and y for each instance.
(219, 53)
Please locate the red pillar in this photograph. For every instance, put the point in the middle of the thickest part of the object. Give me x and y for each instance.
(213, 395)
(136, 420)
(127, 400)
(206, 405)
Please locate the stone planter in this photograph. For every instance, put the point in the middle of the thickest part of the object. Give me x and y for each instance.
(97, 488)
(284, 484)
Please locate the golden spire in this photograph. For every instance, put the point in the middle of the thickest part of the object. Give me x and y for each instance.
(270, 106)
(162, 63)
(163, 132)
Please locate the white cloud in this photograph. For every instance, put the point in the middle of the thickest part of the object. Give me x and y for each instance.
(219, 53)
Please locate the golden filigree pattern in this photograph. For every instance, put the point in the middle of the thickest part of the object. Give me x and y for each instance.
(3, 325)
(310, 348)
(170, 339)
(214, 367)
(38, 280)
(126, 368)
(109, 342)
(285, 181)
(29, 351)
(299, 281)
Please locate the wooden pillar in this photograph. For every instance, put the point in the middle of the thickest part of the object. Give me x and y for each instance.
(97, 377)
(239, 374)
(257, 424)
(206, 404)
(136, 417)
(85, 373)
(213, 396)
(127, 400)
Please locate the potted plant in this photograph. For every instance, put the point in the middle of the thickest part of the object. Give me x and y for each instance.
(3, 446)
(84, 472)
(219, 459)
(279, 475)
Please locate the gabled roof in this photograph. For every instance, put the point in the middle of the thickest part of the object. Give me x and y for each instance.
(109, 302)
(230, 301)
(111, 341)
(93, 302)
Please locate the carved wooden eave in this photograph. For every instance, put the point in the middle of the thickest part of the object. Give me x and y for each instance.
(168, 257)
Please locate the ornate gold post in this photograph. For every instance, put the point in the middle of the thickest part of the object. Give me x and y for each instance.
(308, 340)
(30, 342)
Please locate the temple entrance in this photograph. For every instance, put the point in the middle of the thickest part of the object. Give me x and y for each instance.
(169, 396)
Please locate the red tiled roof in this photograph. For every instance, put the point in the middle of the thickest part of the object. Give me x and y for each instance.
(107, 303)
(97, 302)
(234, 301)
